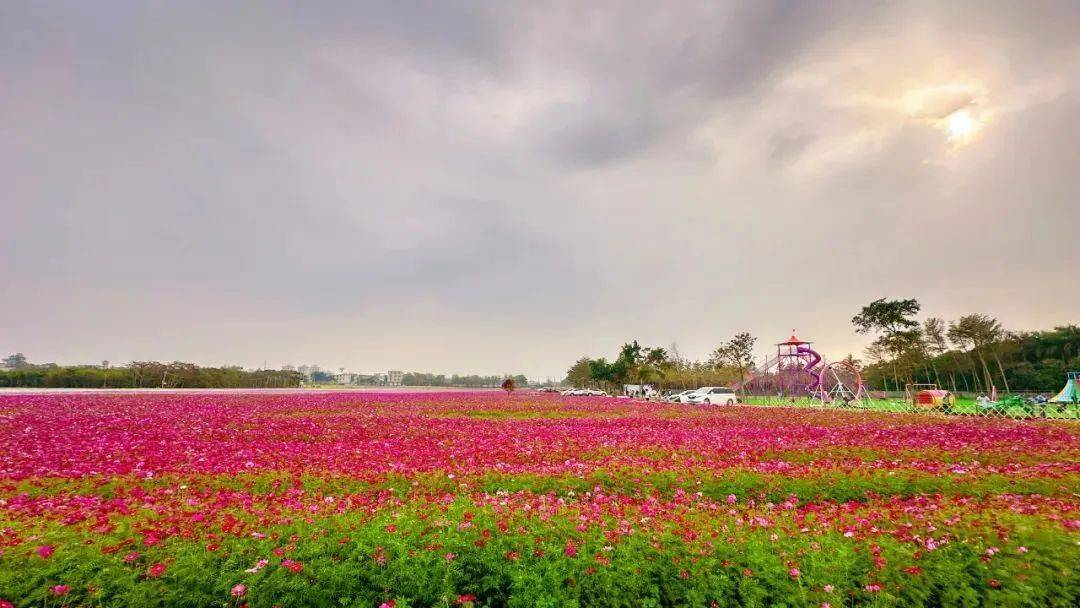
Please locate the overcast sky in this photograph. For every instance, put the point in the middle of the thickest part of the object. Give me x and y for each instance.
(471, 187)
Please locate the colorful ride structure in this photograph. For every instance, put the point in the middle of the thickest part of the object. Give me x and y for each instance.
(799, 372)
(1071, 392)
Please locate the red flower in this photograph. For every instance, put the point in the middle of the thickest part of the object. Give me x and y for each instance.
(59, 590)
(45, 551)
(157, 569)
(6, 604)
(130, 557)
(571, 550)
(465, 599)
(292, 566)
(996, 584)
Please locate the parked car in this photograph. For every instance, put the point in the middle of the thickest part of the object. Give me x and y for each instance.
(681, 397)
(713, 395)
(584, 392)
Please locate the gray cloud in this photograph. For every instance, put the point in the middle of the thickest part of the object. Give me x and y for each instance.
(376, 186)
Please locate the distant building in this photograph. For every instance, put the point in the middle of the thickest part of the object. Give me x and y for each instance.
(394, 377)
(346, 378)
(375, 379)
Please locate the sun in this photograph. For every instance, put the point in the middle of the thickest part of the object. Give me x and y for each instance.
(961, 127)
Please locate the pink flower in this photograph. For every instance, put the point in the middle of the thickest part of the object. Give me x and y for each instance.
(571, 550)
(259, 565)
(239, 590)
(45, 551)
(828, 588)
(59, 590)
(157, 569)
(731, 499)
(873, 587)
(389, 604)
(292, 566)
(1021, 550)
(794, 573)
(449, 557)
(826, 605)
(6, 604)
(130, 557)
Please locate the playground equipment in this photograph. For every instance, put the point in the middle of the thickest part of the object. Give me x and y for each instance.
(799, 372)
(928, 397)
(934, 399)
(1071, 392)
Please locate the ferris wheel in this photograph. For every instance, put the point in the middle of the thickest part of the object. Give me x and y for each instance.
(840, 382)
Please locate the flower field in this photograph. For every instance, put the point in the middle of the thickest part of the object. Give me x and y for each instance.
(486, 499)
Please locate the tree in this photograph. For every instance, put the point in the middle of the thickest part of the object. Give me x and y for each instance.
(900, 335)
(740, 352)
(509, 385)
(935, 343)
(887, 316)
(980, 333)
(579, 373)
(735, 356)
(16, 361)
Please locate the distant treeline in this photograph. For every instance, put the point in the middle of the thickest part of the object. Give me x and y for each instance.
(971, 354)
(474, 381)
(142, 374)
(974, 354)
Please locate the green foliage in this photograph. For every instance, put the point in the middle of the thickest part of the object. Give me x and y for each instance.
(470, 381)
(431, 561)
(887, 316)
(1030, 361)
(147, 374)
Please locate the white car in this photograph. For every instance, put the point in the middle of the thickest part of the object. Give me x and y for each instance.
(713, 395)
(682, 397)
(584, 392)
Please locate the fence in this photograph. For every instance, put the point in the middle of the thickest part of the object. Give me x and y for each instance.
(1013, 406)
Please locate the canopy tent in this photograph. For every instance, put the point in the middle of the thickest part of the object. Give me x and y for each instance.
(1071, 392)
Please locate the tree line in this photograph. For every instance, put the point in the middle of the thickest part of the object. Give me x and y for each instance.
(458, 381)
(973, 353)
(665, 368)
(141, 374)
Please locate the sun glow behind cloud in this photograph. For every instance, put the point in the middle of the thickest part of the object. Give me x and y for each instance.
(961, 127)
